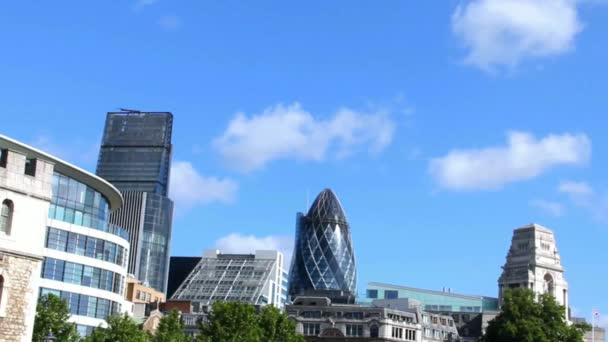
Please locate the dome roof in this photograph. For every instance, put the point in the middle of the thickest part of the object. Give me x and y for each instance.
(326, 207)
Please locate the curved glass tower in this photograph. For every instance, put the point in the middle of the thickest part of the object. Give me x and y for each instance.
(324, 260)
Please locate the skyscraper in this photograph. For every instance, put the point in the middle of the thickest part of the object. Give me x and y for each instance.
(324, 260)
(135, 156)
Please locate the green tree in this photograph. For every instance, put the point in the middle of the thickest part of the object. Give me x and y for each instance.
(276, 327)
(120, 328)
(230, 322)
(52, 315)
(170, 329)
(525, 319)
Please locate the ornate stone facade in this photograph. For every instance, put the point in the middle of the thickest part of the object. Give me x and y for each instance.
(533, 262)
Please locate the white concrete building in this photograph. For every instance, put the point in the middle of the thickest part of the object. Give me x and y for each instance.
(533, 262)
(59, 218)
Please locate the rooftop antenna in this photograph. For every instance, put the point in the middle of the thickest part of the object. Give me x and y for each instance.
(129, 110)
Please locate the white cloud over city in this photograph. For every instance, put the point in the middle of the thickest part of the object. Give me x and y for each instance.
(523, 157)
(584, 196)
(239, 243)
(189, 187)
(291, 132)
(506, 32)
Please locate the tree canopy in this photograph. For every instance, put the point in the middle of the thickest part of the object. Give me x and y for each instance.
(239, 322)
(120, 328)
(52, 314)
(170, 329)
(525, 319)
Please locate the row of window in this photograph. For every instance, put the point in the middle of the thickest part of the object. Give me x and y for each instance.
(79, 274)
(437, 320)
(388, 294)
(354, 330)
(84, 305)
(438, 308)
(437, 334)
(403, 334)
(75, 202)
(312, 329)
(80, 244)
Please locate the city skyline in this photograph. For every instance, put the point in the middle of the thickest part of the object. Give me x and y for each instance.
(437, 145)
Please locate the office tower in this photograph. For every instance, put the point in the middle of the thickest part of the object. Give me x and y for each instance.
(57, 239)
(258, 279)
(135, 156)
(323, 263)
(534, 263)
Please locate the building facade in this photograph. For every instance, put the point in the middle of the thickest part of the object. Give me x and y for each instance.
(135, 156)
(324, 259)
(318, 319)
(257, 279)
(533, 262)
(83, 256)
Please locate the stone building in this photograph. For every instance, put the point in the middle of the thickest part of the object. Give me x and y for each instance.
(25, 195)
(533, 262)
(319, 320)
(55, 237)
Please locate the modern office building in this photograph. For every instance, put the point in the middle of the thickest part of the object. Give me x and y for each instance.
(319, 320)
(60, 236)
(135, 156)
(258, 279)
(533, 262)
(443, 301)
(323, 263)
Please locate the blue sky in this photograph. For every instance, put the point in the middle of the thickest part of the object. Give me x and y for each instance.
(441, 125)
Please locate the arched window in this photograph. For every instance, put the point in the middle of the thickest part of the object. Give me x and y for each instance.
(549, 286)
(6, 216)
(373, 331)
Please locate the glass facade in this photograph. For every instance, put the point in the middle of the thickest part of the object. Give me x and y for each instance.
(79, 274)
(79, 244)
(76, 203)
(84, 305)
(135, 151)
(324, 259)
(154, 248)
(135, 156)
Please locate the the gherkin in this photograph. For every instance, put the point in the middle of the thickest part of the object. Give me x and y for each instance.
(324, 260)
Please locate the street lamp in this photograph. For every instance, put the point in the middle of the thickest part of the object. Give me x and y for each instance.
(49, 337)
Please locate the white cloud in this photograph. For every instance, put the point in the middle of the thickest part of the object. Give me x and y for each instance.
(584, 196)
(189, 188)
(170, 22)
(237, 243)
(505, 32)
(524, 157)
(575, 188)
(290, 132)
(552, 208)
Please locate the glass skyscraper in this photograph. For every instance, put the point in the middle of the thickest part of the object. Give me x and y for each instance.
(323, 263)
(135, 156)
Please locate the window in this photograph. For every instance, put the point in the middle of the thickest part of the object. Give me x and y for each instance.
(425, 319)
(6, 216)
(3, 157)
(373, 331)
(312, 329)
(391, 294)
(427, 332)
(30, 167)
(397, 332)
(354, 330)
(1, 292)
(372, 293)
(443, 321)
(434, 320)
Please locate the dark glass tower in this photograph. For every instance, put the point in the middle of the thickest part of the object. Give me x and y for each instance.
(323, 263)
(135, 156)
